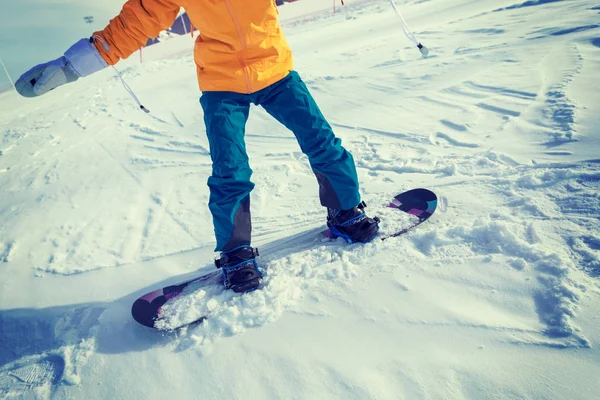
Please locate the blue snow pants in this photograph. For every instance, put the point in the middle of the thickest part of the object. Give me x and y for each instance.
(289, 102)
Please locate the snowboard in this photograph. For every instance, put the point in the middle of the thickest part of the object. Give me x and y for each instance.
(146, 310)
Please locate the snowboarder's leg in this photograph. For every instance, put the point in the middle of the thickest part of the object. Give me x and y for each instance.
(290, 102)
(225, 116)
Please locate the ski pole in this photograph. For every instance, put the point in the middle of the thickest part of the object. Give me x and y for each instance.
(407, 31)
(7, 74)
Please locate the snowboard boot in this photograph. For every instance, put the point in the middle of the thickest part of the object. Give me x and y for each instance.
(353, 224)
(240, 270)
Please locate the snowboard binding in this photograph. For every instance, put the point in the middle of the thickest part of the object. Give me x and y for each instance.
(353, 225)
(240, 270)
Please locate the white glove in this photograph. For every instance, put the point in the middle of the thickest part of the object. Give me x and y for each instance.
(81, 59)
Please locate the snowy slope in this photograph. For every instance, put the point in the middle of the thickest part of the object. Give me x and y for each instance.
(495, 297)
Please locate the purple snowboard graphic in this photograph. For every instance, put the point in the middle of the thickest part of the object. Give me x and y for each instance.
(420, 203)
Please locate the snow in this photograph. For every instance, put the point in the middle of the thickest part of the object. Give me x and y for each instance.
(496, 296)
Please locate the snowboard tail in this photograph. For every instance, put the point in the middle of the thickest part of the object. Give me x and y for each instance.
(147, 308)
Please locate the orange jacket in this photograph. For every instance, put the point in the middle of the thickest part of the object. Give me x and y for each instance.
(240, 47)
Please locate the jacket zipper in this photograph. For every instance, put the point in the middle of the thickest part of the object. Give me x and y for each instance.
(238, 27)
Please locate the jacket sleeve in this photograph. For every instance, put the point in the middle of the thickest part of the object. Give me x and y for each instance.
(138, 21)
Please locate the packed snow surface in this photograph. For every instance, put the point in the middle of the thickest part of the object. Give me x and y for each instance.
(496, 296)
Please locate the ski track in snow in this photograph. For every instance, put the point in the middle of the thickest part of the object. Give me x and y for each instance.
(99, 197)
